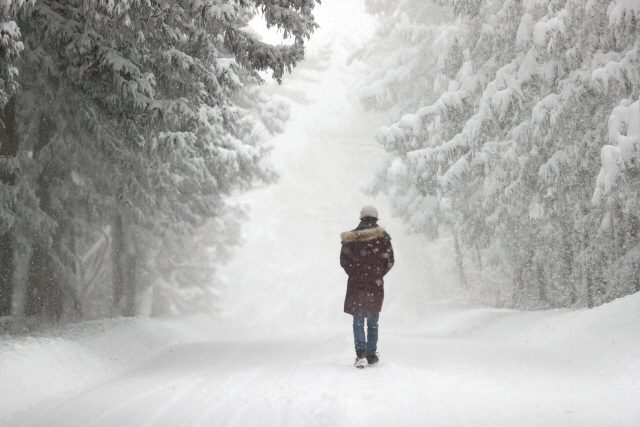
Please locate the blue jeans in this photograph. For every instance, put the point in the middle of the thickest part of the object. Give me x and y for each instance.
(361, 341)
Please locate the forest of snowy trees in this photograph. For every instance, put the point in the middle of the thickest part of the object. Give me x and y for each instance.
(123, 125)
(518, 135)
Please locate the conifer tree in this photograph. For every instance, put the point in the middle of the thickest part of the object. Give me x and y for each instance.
(128, 120)
(513, 144)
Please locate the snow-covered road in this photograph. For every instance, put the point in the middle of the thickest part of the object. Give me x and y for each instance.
(436, 376)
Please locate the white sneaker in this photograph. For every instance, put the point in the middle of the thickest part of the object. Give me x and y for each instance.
(361, 359)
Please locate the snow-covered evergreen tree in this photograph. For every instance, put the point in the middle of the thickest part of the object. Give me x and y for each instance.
(509, 152)
(128, 118)
(10, 47)
(403, 53)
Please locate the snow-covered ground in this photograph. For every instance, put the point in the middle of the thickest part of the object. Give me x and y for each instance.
(281, 353)
(458, 368)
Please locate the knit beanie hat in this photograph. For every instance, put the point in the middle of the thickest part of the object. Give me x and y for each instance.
(369, 211)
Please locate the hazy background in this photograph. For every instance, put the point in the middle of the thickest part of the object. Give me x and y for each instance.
(287, 269)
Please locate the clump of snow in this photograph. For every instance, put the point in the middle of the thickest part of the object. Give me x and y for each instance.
(459, 168)
(525, 30)
(624, 129)
(536, 211)
(551, 170)
(540, 34)
(624, 132)
(624, 11)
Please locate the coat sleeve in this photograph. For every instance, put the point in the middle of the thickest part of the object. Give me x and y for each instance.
(345, 261)
(388, 256)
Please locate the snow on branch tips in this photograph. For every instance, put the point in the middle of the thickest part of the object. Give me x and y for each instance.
(455, 172)
(551, 169)
(611, 165)
(525, 31)
(624, 14)
(619, 68)
(153, 104)
(624, 132)
(547, 109)
(10, 48)
(525, 96)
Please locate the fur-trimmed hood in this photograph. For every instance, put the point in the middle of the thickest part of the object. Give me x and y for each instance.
(362, 235)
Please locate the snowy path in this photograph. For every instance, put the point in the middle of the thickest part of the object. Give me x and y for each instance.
(244, 378)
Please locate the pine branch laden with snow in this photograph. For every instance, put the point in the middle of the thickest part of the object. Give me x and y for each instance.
(526, 95)
(130, 109)
(621, 159)
(404, 46)
(10, 47)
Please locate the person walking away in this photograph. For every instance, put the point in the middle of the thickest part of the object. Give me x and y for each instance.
(366, 257)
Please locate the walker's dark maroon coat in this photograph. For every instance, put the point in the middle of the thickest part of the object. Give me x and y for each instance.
(366, 256)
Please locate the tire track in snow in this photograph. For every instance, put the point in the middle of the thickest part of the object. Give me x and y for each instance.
(289, 355)
(161, 380)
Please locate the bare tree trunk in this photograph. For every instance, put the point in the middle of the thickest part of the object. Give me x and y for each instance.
(8, 150)
(634, 231)
(124, 272)
(542, 283)
(22, 251)
(63, 280)
(8, 139)
(129, 308)
(6, 274)
(479, 257)
(589, 285)
(72, 304)
(587, 282)
(117, 259)
(52, 291)
(567, 268)
(521, 293)
(460, 265)
(614, 235)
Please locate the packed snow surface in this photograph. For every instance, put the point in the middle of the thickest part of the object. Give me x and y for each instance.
(479, 367)
(282, 353)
